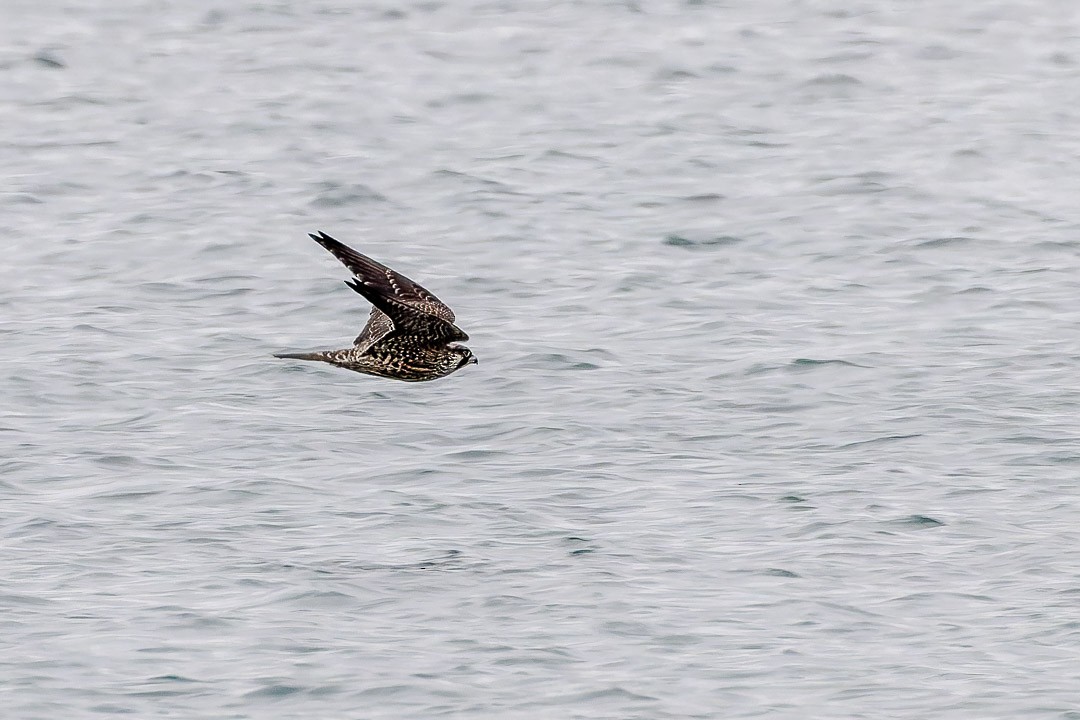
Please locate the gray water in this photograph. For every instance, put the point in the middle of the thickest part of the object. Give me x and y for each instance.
(776, 308)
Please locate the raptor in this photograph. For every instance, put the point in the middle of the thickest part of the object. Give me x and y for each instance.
(410, 334)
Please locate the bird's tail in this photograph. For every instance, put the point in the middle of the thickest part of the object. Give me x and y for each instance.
(320, 356)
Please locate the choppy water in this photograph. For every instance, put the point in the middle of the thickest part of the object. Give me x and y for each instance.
(776, 311)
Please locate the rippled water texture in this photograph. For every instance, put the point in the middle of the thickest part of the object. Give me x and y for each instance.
(776, 311)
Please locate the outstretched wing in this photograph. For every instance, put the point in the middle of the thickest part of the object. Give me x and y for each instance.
(411, 308)
(382, 279)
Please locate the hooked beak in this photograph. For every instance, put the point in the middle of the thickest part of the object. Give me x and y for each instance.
(472, 360)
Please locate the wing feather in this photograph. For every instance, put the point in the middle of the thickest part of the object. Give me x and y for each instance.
(406, 306)
(379, 325)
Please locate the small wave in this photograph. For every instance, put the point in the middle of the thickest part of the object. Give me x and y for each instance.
(711, 241)
(335, 195)
(834, 79)
(921, 521)
(810, 362)
(883, 439)
(944, 242)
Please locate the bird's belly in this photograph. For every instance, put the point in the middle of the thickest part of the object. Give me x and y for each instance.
(410, 367)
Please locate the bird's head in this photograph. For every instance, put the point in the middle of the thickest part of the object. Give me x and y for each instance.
(464, 355)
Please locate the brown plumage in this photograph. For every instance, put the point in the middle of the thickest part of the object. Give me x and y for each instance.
(410, 332)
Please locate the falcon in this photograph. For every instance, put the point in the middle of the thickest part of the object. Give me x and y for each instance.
(410, 333)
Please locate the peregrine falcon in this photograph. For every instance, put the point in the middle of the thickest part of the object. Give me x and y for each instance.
(410, 333)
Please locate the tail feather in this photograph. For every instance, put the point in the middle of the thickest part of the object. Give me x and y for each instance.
(321, 356)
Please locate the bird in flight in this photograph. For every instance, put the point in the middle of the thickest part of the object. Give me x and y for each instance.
(410, 333)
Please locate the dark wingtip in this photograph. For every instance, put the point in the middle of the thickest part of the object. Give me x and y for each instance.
(321, 238)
